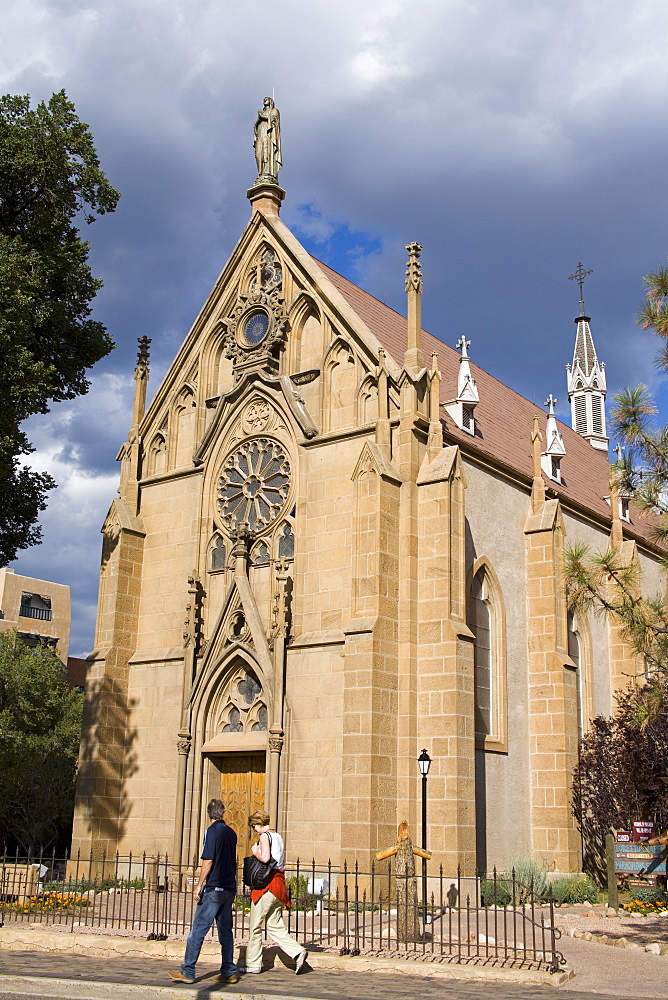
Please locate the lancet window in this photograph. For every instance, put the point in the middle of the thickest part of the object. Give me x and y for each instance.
(487, 622)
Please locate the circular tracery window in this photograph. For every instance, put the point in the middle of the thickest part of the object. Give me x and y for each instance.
(254, 484)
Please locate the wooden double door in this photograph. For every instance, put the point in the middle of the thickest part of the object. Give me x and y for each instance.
(242, 791)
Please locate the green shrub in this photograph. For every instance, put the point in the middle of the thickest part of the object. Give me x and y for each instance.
(495, 893)
(574, 890)
(97, 885)
(530, 877)
(300, 897)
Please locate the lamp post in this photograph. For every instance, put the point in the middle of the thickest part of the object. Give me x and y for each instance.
(424, 763)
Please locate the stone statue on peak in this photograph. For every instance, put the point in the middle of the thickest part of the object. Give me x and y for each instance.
(268, 142)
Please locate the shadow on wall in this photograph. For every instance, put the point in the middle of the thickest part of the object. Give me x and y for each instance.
(107, 760)
(109, 543)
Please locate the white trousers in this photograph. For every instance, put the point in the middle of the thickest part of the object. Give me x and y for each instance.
(268, 910)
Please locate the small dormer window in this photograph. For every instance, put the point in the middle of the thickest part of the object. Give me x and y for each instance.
(555, 469)
(624, 509)
(468, 419)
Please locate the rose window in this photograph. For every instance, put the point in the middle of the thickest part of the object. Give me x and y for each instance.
(254, 485)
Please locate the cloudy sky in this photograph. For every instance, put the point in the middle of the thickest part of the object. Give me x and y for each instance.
(511, 138)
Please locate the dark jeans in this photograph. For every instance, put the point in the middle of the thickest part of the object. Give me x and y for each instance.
(216, 906)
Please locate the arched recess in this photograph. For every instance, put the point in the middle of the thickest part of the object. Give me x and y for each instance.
(217, 554)
(156, 457)
(305, 340)
(486, 617)
(367, 401)
(260, 575)
(230, 740)
(183, 422)
(219, 368)
(580, 655)
(339, 385)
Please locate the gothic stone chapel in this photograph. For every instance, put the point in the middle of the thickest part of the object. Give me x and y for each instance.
(338, 542)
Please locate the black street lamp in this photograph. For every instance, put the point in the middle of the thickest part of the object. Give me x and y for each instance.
(424, 763)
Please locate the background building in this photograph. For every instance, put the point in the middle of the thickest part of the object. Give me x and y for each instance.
(37, 609)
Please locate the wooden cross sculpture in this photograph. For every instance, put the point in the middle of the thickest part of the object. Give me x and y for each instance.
(408, 923)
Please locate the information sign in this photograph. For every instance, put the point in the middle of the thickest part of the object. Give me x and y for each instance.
(641, 859)
(624, 837)
(642, 830)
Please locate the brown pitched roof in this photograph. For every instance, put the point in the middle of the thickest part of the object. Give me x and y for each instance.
(503, 418)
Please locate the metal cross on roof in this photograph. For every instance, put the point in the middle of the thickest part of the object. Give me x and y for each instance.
(579, 276)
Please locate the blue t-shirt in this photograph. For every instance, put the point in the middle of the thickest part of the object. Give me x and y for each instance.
(220, 846)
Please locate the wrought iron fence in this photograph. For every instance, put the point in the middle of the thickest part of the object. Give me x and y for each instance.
(333, 908)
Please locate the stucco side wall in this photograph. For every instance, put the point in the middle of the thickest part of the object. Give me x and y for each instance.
(496, 511)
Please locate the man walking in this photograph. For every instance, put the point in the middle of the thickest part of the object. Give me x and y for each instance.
(214, 895)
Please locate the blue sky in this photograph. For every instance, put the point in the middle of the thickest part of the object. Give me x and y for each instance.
(511, 138)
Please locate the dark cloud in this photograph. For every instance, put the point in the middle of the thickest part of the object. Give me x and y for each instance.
(510, 140)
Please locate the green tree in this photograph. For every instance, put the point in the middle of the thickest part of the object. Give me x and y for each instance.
(641, 474)
(618, 778)
(623, 758)
(50, 177)
(40, 730)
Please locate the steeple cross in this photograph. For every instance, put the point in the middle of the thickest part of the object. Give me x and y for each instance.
(579, 276)
(550, 402)
(463, 344)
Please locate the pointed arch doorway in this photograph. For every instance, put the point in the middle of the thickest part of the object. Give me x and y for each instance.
(235, 754)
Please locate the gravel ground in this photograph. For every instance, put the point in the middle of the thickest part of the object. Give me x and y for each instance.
(612, 928)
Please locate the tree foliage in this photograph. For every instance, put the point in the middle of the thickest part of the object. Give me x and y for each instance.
(618, 777)
(40, 730)
(50, 177)
(623, 758)
(640, 474)
(653, 313)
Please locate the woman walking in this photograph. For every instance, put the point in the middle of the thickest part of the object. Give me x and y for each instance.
(267, 904)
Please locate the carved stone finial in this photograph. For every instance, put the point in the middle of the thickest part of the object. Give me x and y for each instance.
(142, 366)
(463, 345)
(550, 402)
(413, 267)
(267, 142)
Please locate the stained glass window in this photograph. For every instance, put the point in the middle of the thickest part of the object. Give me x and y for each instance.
(254, 484)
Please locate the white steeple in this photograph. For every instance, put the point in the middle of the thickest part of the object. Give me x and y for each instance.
(586, 379)
(462, 408)
(555, 450)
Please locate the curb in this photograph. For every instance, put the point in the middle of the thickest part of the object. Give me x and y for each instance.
(30, 938)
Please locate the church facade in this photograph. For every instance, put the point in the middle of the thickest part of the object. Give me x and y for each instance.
(338, 542)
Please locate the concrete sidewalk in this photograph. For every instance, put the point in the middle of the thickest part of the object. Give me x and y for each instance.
(600, 973)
